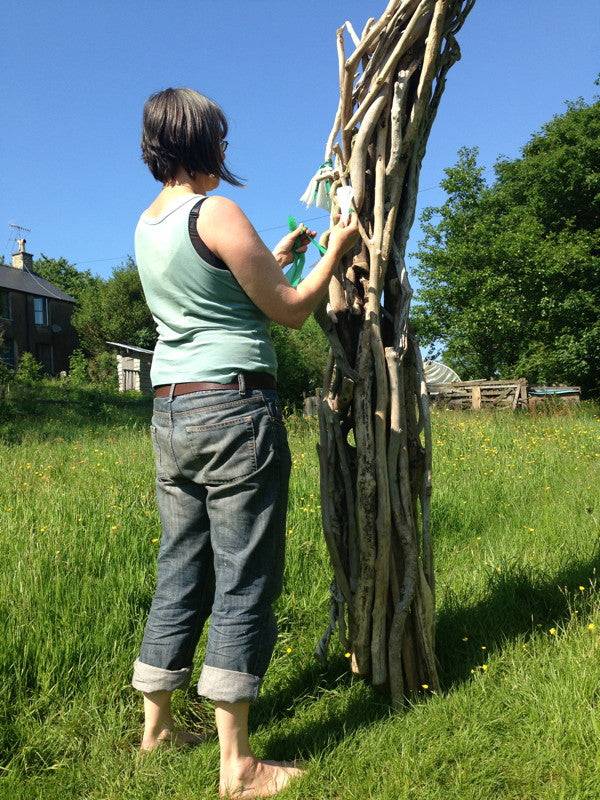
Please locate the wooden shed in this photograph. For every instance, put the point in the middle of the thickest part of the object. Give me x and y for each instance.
(133, 367)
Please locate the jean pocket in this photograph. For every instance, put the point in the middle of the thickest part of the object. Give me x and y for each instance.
(221, 451)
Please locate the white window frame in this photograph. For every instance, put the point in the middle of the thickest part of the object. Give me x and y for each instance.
(44, 309)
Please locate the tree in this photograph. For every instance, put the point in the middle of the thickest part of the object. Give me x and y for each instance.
(115, 310)
(510, 273)
(65, 275)
(301, 357)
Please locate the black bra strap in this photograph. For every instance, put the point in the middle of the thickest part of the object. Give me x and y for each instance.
(199, 246)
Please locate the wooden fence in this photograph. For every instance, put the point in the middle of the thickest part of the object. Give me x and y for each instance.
(509, 394)
(478, 394)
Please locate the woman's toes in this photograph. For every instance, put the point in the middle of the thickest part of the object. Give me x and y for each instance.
(264, 779)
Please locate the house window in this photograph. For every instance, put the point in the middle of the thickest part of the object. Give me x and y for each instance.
(40, 310)
(7, 351)
(5, 304)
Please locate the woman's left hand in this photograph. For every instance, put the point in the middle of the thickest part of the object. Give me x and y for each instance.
(283, 251)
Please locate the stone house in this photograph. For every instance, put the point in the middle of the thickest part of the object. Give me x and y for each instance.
(35, 316)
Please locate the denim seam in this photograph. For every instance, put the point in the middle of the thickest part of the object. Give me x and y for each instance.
(259, 648)
(247, 420)
(222, 405)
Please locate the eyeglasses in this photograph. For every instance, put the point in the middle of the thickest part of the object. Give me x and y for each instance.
(224, 144)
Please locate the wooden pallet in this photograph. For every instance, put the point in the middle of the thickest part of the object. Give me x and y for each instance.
(479, 394)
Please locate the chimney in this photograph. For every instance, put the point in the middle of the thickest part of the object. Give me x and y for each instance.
(21, 259)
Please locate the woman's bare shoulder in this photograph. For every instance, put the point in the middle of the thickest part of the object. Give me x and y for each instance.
(218, 207)
(221, 220)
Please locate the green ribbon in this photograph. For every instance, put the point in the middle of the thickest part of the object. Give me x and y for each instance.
(294, 273)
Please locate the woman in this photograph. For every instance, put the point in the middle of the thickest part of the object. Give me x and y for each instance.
(221, 450)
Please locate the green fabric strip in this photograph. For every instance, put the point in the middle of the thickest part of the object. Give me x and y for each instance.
(294, 274)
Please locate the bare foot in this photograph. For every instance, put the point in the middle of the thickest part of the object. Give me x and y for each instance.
(173, 737)
(250, 777)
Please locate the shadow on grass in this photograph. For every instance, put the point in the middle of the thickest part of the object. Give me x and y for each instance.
(518, 604)
(52, 411)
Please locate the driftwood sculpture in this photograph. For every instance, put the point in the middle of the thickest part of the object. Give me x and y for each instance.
(375, 490)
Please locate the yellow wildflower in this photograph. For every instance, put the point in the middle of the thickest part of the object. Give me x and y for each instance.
(484, 667)
(288, 649)
(591, 627)
(552, 631)
(582, 588)
(347, 655)
(424, 686)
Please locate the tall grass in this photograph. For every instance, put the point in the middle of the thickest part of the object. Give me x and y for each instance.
(516, 504)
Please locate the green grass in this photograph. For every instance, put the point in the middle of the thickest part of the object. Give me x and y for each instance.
(516, 504)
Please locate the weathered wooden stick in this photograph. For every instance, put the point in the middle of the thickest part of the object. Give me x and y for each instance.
(376, 493)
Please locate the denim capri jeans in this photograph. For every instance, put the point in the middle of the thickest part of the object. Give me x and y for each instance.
(223, 465)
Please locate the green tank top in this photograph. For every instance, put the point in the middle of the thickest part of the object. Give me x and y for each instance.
(208, 328)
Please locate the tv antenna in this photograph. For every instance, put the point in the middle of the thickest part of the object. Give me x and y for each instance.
(16, 232)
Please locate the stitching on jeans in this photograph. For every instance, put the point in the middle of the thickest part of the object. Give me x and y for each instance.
(251, 442)
(259, 398)
(233, 671)
(226, 424)
(229, 404)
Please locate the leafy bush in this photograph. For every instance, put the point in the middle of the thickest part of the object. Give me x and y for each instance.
(29, 370)
(6, 376)
(302, 355)
(78, 369)
(102, 370)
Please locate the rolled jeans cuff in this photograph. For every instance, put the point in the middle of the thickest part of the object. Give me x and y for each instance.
(147, 678)
(228, 685)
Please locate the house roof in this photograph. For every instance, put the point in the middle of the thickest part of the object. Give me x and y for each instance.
(131, 347)
(20, 280)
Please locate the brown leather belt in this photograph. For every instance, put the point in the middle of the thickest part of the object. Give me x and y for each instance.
(251, 380)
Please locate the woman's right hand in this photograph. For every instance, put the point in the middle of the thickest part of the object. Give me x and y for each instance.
(226, 230)
(344, 235)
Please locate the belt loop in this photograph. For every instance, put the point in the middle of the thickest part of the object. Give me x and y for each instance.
(171, 391)
(241, 384)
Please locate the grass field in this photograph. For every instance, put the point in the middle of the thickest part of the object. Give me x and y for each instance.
(515, 515)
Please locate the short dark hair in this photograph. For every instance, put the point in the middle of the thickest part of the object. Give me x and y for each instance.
(183, 128)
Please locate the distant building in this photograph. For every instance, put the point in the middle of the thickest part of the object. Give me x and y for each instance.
(133, 367)
(35, 316)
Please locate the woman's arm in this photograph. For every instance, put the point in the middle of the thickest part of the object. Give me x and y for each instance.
(226, 230)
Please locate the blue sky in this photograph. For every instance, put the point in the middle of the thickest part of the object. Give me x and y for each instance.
(75, 76)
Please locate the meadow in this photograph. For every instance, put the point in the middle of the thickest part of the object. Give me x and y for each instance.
(515, 518)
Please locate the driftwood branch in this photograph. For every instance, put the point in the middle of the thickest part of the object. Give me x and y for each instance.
(376, 491)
